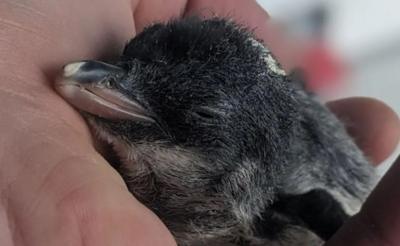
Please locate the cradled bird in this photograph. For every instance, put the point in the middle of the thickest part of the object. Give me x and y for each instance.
(217, 140)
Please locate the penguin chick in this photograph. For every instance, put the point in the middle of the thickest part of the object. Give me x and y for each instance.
(217, 140)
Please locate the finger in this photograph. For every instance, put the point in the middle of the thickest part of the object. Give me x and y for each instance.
(378, 223)
(374, 126)
(37, 35)
(50, 174)
(147, 12)
(248, 13)
(252, 15)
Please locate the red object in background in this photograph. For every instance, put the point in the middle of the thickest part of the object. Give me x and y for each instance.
(323, 70)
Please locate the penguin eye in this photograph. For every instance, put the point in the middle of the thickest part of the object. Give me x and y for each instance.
(109, 82)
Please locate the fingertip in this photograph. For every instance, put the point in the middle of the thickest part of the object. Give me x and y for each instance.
(248, 13)
(374, 126)
(147, 12)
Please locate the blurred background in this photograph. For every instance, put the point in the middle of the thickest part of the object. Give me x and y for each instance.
(360, 37)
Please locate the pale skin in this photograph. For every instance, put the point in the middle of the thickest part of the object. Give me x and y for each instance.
(56, 189)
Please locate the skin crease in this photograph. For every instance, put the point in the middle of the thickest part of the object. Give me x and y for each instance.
(57, 190)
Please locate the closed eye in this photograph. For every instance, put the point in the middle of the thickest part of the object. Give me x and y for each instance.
(206, 113)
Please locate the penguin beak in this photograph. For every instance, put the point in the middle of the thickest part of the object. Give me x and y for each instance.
(88, 86)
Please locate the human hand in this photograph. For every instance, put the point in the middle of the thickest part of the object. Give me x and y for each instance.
(56, 189)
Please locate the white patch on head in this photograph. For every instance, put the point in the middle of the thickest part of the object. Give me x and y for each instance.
(266, 55)
(273, 65)
(72, 68)
(256, 43)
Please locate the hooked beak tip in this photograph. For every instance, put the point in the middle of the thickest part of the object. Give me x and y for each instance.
(90, 71)
(72, 68)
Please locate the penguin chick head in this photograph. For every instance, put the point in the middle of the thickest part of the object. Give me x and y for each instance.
(215, 138)
(204, 85)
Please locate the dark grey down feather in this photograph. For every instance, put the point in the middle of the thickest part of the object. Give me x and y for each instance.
(214, 138)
